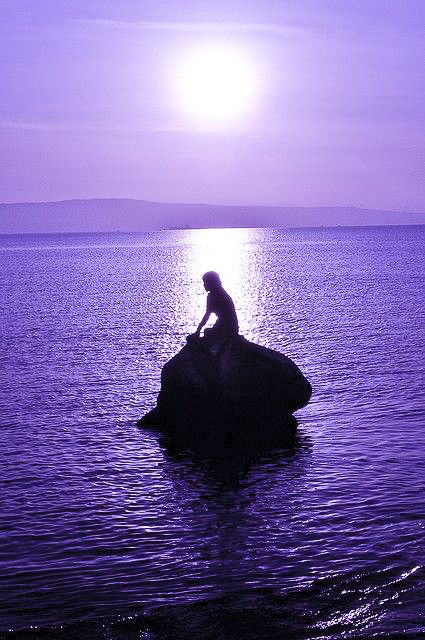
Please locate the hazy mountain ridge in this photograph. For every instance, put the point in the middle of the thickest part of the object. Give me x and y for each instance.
(121, 214)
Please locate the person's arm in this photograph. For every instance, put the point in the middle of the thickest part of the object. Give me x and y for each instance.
(203, 322)
(205, 317)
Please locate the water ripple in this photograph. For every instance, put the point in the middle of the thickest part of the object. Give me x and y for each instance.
(100, 519)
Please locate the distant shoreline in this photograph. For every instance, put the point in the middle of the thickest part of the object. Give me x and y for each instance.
(123, 233)
(124, 215)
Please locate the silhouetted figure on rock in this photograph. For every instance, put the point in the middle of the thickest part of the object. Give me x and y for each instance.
(221, 304)
(223, 391)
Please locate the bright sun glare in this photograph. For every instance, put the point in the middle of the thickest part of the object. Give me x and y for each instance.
(216, 83)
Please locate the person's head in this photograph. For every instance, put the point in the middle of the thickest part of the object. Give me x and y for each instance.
(211, 280)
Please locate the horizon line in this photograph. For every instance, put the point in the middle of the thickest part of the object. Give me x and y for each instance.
(289, 228)
(212, 204)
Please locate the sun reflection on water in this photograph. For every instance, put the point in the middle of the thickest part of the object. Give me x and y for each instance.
(226, 251)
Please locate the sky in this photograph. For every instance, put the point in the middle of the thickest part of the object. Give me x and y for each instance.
(96, 101)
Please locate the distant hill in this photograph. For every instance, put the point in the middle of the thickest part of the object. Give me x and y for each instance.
(140, 215)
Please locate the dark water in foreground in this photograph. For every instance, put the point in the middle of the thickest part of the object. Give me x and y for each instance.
(106, 533)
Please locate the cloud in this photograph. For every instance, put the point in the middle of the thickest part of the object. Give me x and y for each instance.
(87, 129)
(197, 27)
(27, 125)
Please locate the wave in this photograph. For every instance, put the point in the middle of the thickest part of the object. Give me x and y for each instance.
(385, 604)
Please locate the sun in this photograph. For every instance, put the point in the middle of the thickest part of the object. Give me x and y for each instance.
(216, 83)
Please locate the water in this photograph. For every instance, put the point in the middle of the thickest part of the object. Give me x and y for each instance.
(106, 533)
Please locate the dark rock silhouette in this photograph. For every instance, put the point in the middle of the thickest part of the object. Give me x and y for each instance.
(244, 394)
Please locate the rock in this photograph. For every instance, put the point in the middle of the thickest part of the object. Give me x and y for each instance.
(244, 395)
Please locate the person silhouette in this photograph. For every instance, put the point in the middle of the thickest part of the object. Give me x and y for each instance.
(221, 304)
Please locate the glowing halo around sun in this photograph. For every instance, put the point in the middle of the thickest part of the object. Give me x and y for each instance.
(216, 83)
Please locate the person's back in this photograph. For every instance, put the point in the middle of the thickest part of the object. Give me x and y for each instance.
(220, 303)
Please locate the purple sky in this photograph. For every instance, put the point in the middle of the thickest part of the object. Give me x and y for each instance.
(89, 106)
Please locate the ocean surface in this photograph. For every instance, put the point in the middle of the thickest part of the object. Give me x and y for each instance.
(107, 533)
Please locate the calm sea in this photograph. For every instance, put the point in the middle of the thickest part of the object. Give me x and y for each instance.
(107, 533)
